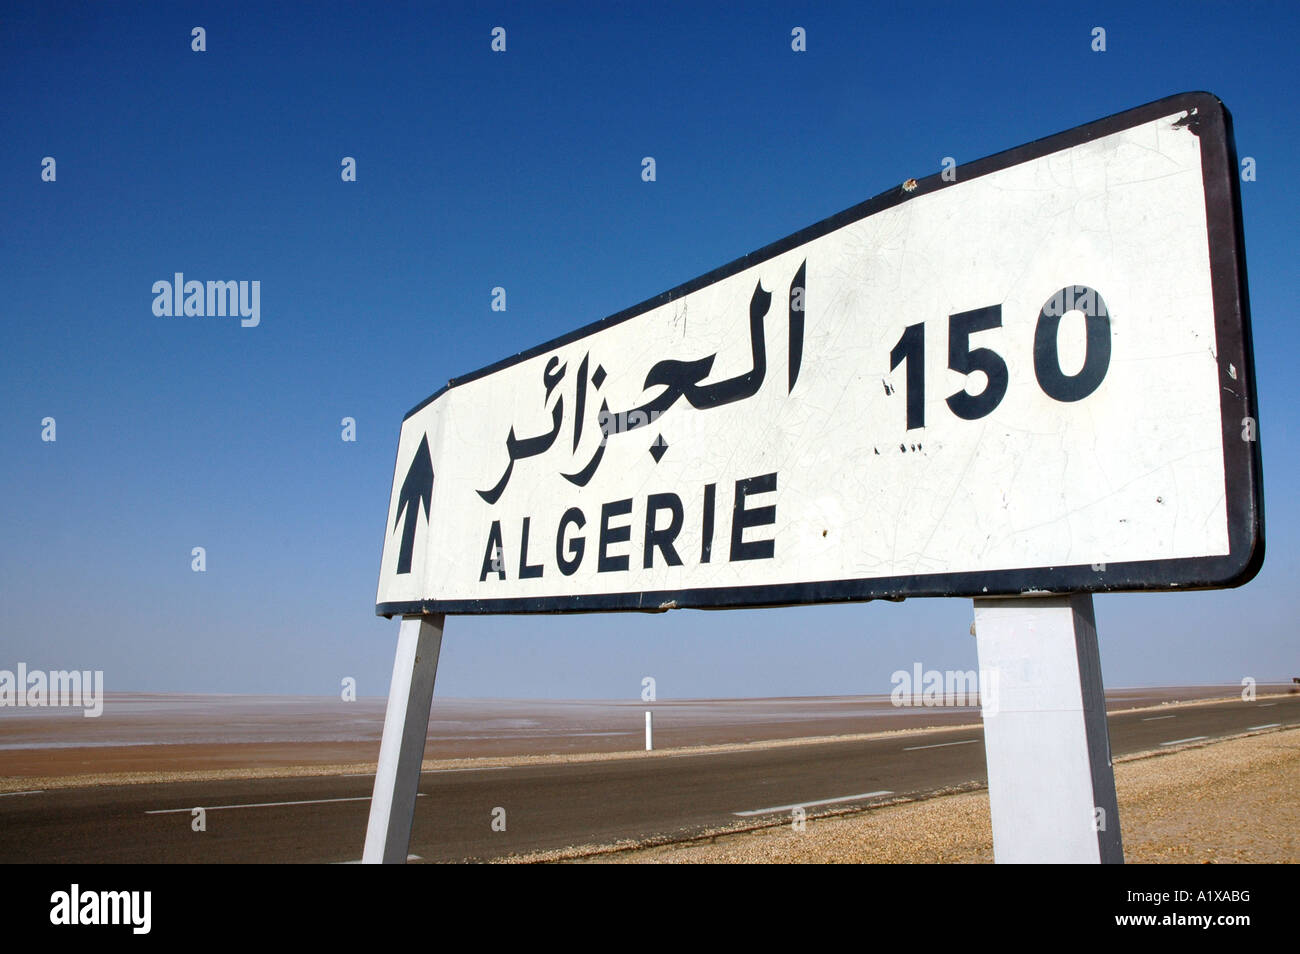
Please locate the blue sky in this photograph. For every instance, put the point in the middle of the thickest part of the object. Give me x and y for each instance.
(520, 169)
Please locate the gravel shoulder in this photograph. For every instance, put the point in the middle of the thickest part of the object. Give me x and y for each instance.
(1225, 801)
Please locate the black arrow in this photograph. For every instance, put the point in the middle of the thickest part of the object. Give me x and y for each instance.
(417, 488)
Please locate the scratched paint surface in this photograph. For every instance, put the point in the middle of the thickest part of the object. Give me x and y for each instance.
(1131, 471)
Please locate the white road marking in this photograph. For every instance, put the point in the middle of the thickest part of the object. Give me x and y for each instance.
(1155, 718)
(39, 791)
(1271, 725)
(938, 745)
(1265, 705)
(217, 808)
(821, 801)
(1195, 738)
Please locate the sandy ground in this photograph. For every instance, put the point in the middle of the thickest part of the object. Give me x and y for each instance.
(1229, 801)
(157, 737)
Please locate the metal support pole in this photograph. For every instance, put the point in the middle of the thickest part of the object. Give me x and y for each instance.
(401, 753)
(1051, 784)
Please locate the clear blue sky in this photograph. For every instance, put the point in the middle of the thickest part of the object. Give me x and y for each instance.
(519, 169)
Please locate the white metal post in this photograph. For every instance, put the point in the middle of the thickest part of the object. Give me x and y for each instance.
(401, 753)
(1051, 784)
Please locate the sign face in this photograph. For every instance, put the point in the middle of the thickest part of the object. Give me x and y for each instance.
(1028, 373)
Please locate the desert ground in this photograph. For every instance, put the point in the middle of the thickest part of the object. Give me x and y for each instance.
(1230, 798)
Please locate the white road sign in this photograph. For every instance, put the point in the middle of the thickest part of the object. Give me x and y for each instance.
(1028, 373)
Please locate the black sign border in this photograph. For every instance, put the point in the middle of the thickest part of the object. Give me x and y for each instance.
(1207, 118)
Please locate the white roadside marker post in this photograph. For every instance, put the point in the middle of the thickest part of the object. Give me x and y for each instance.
(649, 744)
(1051, 784)
(401, 752)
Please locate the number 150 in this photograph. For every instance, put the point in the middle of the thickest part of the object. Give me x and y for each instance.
(1055, 383)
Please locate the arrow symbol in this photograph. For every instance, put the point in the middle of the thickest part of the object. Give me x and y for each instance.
(417, 488)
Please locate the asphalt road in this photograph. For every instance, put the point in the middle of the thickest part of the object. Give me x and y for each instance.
(546, 806)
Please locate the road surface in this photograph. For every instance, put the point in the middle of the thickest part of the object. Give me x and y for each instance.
(323, 819)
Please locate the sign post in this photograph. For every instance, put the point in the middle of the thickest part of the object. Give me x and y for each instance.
(1046, 744)
(401, 752)
(1022, 380)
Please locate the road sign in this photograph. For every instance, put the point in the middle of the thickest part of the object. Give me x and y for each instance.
(1029, 373)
